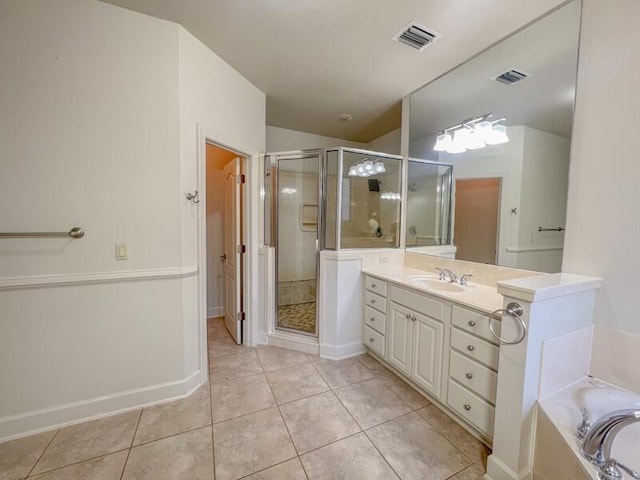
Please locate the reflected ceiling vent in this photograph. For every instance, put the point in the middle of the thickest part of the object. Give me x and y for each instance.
(417, 36)
(511, 76)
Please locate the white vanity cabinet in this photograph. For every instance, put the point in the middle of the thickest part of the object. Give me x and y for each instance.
(416, 337)
(441, 346)
(473, 368)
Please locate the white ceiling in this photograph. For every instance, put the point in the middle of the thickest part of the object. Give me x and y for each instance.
(547, 50)
(315, 59)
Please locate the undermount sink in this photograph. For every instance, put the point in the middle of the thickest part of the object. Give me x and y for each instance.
(433, 283)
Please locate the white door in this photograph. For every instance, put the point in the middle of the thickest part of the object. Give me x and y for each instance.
(400, 329)
(428, 337)
(232, 249)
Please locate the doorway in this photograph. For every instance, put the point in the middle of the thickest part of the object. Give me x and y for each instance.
(225, 246)
(477, 210)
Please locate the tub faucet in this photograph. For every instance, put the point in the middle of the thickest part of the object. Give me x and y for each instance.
(598, 441)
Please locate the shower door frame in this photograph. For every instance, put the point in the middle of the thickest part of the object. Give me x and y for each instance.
(271, 165)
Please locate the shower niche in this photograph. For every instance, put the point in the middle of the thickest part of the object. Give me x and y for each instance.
(325, 199)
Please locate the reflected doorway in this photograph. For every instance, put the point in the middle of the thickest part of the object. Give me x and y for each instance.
(477, 209)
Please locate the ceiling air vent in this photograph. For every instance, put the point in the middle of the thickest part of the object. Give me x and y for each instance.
(511, 76)
(416, 36)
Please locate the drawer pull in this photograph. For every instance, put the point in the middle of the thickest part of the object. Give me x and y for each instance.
(372, 319)
(371, 340)
(472, 323)
(467, 407)
(471, 348)
(413, 318)
(469, 375)
(373, 285)
(373, 300)
(408, 316)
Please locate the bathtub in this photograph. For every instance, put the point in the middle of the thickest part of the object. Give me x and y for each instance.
(557, 449)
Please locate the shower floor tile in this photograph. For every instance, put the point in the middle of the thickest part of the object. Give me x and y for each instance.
(301, 316)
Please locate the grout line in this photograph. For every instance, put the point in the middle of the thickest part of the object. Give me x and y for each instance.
(381, 454)
(78, 463)
(135, 432)
(44, 450)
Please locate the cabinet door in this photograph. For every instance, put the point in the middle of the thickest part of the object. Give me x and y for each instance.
(428, 337)
(399, 329)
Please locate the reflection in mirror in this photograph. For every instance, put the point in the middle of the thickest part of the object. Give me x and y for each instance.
(428, 204)
(510, 168)
(370, 209)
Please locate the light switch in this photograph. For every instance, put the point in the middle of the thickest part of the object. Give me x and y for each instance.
(121, 251)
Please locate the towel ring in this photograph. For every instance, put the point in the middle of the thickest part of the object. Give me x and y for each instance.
(513, 310)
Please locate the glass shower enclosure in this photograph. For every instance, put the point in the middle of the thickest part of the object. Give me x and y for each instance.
(331, 199)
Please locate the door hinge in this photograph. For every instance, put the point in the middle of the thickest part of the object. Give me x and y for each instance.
(241, 316)
(242, 248)
(241, 178)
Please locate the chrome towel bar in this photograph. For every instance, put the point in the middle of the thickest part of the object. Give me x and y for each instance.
(557, 229)
(75, 232)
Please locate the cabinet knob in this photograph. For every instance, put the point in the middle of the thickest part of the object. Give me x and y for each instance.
(373, 300)
(467, 407)
(371, 340)
(372, 319)
(373, 285)
(472, 323)
(471, 348)
(413, 318)
(408, 316)
(469, 375)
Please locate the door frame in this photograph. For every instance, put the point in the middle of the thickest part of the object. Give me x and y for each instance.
(250, 202)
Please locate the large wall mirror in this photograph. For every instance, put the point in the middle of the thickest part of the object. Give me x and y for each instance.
(503, 120)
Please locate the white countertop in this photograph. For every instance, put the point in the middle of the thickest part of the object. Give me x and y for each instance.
(477, 296)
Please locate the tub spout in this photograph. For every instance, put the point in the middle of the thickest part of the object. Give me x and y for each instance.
(598, 441)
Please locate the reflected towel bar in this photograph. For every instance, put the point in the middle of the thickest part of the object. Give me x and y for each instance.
(75, 232)
(557, 229)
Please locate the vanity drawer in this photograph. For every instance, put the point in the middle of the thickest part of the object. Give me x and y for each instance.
(376, 301)
(374, 340)
(474, 376)
(419, 302)
(471, 407)
(375, 285)
(474, 322)
(479, 350)
(375, 319)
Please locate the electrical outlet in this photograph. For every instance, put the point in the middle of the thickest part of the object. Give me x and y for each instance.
(383, 259)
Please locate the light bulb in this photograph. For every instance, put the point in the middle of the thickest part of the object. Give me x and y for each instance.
(483, 130)
(443, 142)
(458, 145)
(474, 141)
(368, 166)
(359, 169)
(498, 135)
(379, 167)
(352, 171)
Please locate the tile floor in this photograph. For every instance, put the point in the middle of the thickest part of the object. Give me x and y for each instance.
(267, 414)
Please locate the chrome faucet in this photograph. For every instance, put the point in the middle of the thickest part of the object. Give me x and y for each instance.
(463, 279)
(598, 441)
(446, 272)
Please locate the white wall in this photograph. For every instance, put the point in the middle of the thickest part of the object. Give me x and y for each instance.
(98, 129)
(602, 218)
(387, 143)
(284, 140)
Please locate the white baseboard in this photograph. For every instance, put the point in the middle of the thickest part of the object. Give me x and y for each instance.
(338, 352)
(37, 421)
(215, 312)
(294, 342)
(498, 470)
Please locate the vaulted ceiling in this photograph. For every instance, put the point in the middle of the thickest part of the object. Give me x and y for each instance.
(315, 59)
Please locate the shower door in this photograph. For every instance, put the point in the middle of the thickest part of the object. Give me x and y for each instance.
(295, 186)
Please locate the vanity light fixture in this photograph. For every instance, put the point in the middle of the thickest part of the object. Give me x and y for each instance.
(366, 168)
(288, 190)
(471, 134)
(390, 196)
